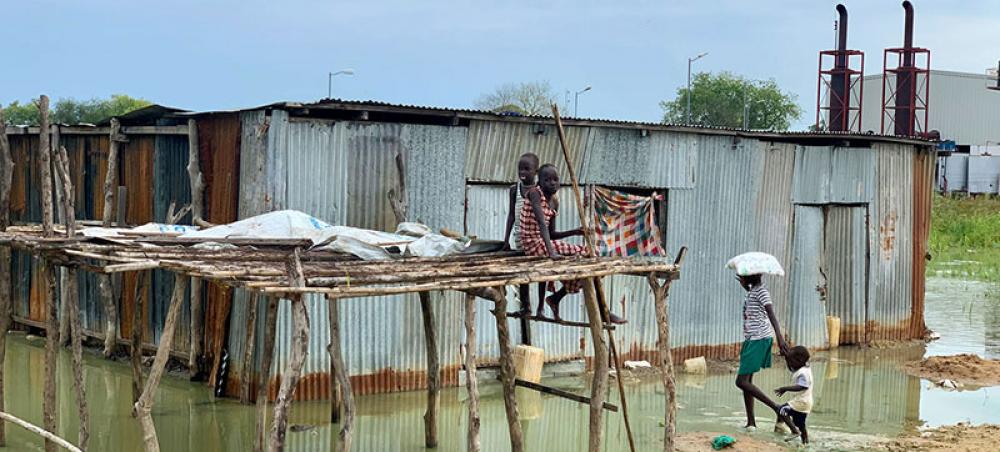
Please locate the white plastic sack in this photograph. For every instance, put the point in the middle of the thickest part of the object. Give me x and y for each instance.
(282, 224)
(434, 245)
(349, 245)
(413, 229)
(161, 228)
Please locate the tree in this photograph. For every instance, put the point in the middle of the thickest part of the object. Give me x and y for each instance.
(532, 98)
(72, 111)
(722, 99)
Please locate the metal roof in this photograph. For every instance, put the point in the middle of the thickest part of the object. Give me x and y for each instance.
(458, 114)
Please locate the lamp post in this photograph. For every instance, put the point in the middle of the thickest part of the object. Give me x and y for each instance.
(691, 60)
(329, 80)
(576, 100)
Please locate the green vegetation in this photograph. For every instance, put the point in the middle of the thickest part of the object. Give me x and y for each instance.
(72, 111)
(722, 99)
(965, 239)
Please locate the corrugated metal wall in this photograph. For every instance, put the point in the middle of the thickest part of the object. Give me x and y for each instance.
(494, 147)
(624, 157)
(845, 258)
(807, 322)
(889, 309)
(955, 176)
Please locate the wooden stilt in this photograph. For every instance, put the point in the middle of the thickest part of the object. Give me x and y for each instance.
(471, 381)
(607, 326)
(296, 359)
(6, 176)
(507, 375)
(76, 340)
(110, 313)
(194, 174)
(45, 164)
(336, 392)
(665, 361)
(144, 407)
(111, 176)
(197, 320)
(433, 371)
(337, 360)
(264, 377)
(49, 408)
(599, 385)
(135, 351)
(249, 341)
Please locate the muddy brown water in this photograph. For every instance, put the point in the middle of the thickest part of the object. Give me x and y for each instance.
(860, 394)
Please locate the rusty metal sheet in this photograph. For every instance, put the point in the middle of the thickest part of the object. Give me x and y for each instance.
(923, 176)
(890, 309)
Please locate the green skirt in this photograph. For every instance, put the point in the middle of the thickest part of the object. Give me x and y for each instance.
(755, 355)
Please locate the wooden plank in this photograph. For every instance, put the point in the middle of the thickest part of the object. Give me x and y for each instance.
(564, 322)
(103, 130)
(560, 393)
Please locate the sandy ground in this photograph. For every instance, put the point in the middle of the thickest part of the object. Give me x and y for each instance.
(964, 369)
(702, 441)
(961, 437)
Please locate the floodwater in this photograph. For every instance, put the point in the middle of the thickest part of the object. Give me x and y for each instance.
(860, 394)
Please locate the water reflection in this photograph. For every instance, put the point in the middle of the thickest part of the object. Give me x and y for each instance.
(859, 393)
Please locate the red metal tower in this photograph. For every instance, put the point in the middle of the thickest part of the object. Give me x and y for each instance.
(906, 77)
(841, 83)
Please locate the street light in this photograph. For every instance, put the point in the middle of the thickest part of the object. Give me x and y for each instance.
(329, 81)
(576, 100)
(691, 60)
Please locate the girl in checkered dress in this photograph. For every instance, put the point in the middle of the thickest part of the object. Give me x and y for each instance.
(539, 237)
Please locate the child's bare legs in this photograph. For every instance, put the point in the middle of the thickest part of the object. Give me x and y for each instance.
(525, 296)
(750, 392)
(553, 302)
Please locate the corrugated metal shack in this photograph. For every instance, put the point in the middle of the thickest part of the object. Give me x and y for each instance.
(848, 215)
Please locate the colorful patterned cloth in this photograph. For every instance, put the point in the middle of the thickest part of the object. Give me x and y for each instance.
(625, 225)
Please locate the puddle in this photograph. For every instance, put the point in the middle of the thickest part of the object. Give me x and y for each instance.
(860, 393)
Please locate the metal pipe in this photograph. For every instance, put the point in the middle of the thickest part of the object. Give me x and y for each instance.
(839, 81)
(906, 86)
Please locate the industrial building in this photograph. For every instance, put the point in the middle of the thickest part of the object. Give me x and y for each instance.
(847, 213)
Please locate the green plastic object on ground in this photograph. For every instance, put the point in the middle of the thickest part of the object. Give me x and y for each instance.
(723, 441)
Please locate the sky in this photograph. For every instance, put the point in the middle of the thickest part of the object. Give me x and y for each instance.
(217, 55)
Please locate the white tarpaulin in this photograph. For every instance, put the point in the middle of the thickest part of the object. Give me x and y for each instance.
(412, 239)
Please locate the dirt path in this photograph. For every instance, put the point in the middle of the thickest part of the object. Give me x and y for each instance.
(961, 437)
(964, 369)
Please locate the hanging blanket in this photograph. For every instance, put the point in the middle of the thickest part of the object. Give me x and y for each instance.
(625, 224)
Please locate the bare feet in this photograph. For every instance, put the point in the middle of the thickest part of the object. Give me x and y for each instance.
(554, 306)
(617, 320)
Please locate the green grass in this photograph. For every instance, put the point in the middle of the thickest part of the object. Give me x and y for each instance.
(965, 239)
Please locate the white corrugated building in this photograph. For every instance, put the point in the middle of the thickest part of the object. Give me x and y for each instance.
(960, 107)
(964, 110)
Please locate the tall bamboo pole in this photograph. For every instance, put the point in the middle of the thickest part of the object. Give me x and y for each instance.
(594, 296)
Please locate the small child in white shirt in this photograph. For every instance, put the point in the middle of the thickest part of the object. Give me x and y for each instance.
(802, 382)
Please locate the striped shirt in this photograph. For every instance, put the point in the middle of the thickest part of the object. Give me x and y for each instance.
(756, 324)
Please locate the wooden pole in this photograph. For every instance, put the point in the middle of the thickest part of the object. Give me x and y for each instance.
(249, 340)
(71, 298)
(136, 348)
(471, 381)
(76, 339)
(195, 176)
(264, 378)
(61, 164)
(594, 312)
(296, 359)
(38, 430)
(507, 374)
(110, 313)
(45, 164)
(666, 362)
(343, 377)
(103, 280)
(6, 176)
(111, 176)
(433, 371)
(197, 320)
(336, 392)
(560, 393)
(49, 408)
(144, 406)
